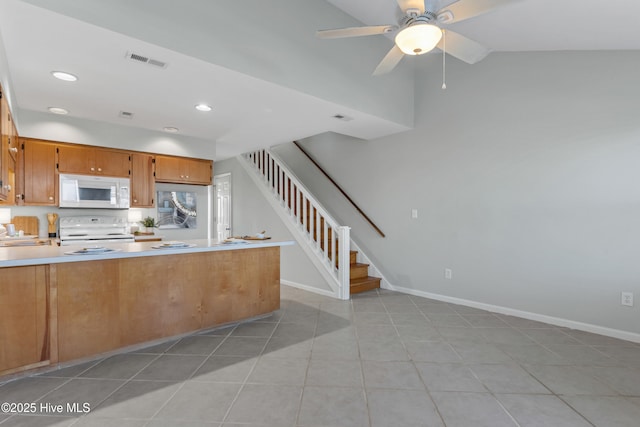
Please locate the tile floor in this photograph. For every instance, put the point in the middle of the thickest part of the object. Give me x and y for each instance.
(383, 359)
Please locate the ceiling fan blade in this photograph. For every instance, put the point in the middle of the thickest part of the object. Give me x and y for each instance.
(389, 62)
(462, 48)
(411, 4)
(465, 9)
(340, 33)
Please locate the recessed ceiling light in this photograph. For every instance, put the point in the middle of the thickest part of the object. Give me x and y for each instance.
(203, 107)
(58, 110)
(170, 129)
(67, 77)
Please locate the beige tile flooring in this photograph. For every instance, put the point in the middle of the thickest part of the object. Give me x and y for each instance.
(383, 359)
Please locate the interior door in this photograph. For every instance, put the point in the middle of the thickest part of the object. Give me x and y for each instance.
(222, 219)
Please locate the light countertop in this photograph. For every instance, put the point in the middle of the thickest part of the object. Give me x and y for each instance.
(37, 255)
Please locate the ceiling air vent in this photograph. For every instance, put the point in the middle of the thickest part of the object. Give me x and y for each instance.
(125, 115)
(136, 57)
(343, 117)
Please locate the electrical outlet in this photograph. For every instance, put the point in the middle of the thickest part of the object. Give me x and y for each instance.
(414, 213)
(627, 299)
(448, 273)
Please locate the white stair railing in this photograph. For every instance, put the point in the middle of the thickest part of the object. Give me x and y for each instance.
(318, 233)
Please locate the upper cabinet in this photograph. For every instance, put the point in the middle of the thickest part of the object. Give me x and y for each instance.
(8, 153)
(39, 173)
(86, 160)
(142, 184)
(183, 170)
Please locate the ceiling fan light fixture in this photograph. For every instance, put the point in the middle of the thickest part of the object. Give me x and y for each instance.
(418, 38)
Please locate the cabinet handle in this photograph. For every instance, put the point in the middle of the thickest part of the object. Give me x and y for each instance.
(7, 187)
(187, 176)
(13, 149)
(93, 169)
(50, 197)
(99, 169)
(135, 200)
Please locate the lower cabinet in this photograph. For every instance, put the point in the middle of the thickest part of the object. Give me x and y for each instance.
(88, 308)
(24, 327)
(105, 305)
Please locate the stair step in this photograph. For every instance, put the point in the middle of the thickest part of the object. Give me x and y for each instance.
(359, 270)
(364, 284)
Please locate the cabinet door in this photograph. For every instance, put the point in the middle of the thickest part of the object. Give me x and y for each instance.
(200, 171)
(112, 163)
(75, 159)
(13, 139)
(142, 183)
(93, 161)
(169, 169)
(39, 173)
(4, 147)
(182, 170)
(88, 308)
(23, 321)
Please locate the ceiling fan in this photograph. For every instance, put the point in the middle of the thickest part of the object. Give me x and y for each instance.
(420, 30)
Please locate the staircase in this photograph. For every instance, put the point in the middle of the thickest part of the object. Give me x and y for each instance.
(325, 241)
(359, 279)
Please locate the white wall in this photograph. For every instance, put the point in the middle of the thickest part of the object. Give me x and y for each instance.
(35, 124)
(251, 214)
(525, 176)
(201, 231)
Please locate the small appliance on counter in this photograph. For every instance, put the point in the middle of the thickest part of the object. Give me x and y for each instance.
(91, 230)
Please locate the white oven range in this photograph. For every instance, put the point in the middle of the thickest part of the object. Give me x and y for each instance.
(94, 230)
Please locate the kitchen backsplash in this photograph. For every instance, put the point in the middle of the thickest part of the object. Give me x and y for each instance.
(200, 232)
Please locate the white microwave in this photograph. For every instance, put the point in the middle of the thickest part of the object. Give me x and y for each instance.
(87, 191)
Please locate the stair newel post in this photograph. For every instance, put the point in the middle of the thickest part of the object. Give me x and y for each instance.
(343, 253)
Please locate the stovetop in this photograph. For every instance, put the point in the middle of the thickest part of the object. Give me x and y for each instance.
(93, 227)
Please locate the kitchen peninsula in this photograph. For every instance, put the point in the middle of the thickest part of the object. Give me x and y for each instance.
(57, 307)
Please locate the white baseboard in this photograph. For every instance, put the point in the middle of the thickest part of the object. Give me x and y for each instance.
(308, 288)
(557, 321)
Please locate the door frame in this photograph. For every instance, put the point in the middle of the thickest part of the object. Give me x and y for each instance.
(216, 178)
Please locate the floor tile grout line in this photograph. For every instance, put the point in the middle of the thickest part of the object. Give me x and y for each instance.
(306, 374)
(417, 371)
(244, 382)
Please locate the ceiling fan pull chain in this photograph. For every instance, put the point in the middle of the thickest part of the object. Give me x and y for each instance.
(444, 54)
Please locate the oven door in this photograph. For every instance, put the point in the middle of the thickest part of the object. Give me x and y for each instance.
(91, 242)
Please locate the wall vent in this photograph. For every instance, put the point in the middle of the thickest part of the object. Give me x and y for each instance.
(136, 57)
(125, 115)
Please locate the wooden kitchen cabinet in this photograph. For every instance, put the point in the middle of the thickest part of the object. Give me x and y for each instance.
(38, 177)
(161, 298)
(9, 159)
(86, 160)
(142, 182)
(23, 318)
(8, 153)
(183, 170)
(88, 308)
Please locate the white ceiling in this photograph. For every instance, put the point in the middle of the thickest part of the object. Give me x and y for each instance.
(38, 41)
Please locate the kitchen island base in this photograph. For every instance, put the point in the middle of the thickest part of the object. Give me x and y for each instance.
(77, 310)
